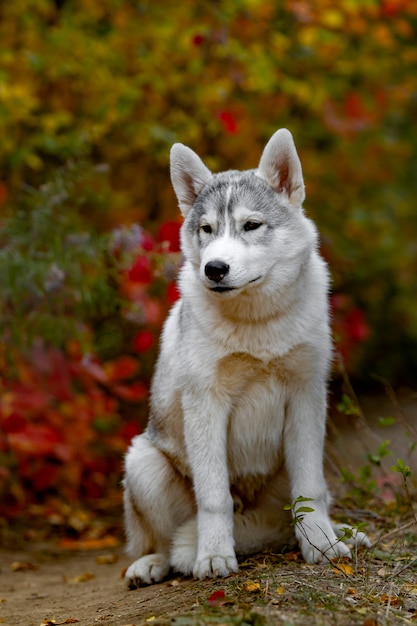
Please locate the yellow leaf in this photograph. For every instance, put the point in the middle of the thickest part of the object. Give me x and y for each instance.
(107, 559)
(108, 541)
(82, 578)
(343, 568)
(252, 586)
(333, 18)
(280, 591)
(18, 566)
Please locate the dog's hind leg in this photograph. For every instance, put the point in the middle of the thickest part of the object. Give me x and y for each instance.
(156, 501)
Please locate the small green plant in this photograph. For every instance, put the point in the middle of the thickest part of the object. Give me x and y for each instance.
(299, 511)
(406, 473)
(348, 405)
(383, 451)
(402, 469)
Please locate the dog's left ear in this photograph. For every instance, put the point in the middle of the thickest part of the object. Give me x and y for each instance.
(188, 175)
(281, 167)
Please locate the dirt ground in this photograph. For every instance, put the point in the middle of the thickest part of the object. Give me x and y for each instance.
(43, 584)
(377, 588)
(77, 587)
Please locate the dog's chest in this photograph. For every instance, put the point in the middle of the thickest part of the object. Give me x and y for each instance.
(258, 391)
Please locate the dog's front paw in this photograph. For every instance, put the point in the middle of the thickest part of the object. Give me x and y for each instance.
(149, 569)
(215, 566)
(317, 552)
(318, 541)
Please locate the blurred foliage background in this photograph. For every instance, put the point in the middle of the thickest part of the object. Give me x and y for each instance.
(92, 95)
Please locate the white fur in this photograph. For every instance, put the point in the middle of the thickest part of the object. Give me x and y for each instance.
(238, 406)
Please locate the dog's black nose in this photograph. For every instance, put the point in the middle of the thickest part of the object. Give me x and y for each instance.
(216, 270)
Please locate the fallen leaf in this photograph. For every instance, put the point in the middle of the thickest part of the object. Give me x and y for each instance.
(53, 622)
(292, 556)
(370, 622)
(410, 588)
(251, 586)
(215, 597)
(392, 600)
(107, 559)
(218, 598)
(108, 541)
(343, 568)
(280, 591)
(82, 578)
(18, 566)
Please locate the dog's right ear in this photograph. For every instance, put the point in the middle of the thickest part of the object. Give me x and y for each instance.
(188, 175)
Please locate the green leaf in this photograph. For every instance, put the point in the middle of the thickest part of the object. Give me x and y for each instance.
(402, 468)
(386, 421)
(304, 509)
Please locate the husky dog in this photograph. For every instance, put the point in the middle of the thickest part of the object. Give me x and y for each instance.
(238, 403)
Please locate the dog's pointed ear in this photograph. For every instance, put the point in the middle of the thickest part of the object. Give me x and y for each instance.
(281, 167)
(188, 175)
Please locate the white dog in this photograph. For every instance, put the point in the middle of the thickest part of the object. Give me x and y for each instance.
(238, 407)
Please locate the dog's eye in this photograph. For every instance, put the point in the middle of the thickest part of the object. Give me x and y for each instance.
(251, 226)
(206, 228)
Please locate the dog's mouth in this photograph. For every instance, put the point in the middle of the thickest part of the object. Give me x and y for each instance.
(219, 289)
(222, 289)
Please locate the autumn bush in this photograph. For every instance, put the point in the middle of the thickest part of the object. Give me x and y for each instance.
(92, 95)
(81, 313)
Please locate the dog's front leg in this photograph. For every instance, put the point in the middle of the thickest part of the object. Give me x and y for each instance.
(304, 446)
(205, 422)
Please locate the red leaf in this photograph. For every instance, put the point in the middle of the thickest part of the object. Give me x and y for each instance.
(35, 439)
(130, 430)
(197, 40)
(3, 193)
(228, 121)
(172, 293)
(121, 368)
(356, 325)
(14, 424)
(25, 399)
(143, 341)
(135, 393)
(217, 598)
(170, 233)
(44, 477)
(146, 242)
(141, 270)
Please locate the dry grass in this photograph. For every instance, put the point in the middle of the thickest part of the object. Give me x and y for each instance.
(378, 587)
